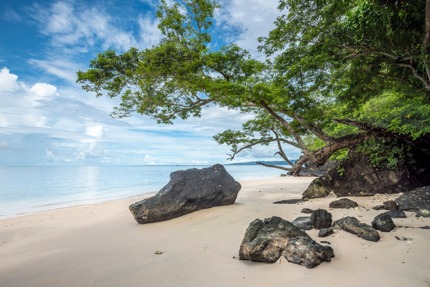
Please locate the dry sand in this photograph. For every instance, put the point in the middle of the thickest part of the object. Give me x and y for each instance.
(102, 245)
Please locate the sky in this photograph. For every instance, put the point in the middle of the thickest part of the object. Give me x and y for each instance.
(47, 119)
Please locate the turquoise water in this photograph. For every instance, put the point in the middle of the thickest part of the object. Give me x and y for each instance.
(32, 189)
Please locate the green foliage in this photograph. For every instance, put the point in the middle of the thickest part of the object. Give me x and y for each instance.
(359, 60)
(384, 153)
(398, 113)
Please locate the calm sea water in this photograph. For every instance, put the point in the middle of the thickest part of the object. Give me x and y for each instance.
(32, 189)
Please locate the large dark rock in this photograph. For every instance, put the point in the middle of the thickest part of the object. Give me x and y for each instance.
(354, 226)
(306, 252)
(265, 240)
(343, 203)
(383, 222)
(415, 200)
(321, 218)
(188, 191)
(360, 178)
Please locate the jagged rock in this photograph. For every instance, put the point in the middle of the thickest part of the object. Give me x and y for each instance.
(307, 210)
(265, 240)
(354, 226)
(325, 232)
(396, 213)
(303, 222)
(390, 205)
(321, 218)
(383, 222)
(317, 189)
(306, 252)
(188, 191)
(416, 199)
(343, 203)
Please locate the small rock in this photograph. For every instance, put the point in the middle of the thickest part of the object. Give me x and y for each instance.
(343, 203)
(354, 226)
(383, 222)
(325, 242)
(424, 227)
(390, 205)
(307, 210)
(423, 213)
(396, 213)
(306, 252)
(378, 207)
(321, 218)
(158, 252)
(303, 222)
(325, 232)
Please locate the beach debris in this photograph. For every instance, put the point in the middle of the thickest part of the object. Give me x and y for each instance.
(321, 218)
(353, 225)
(303, 222)
(306, 252)
(324, 232)
(343, 203)
(290, 201)
(383, 222)
(402, 238)
(325, 242)
(158, 252)
(265, 240)
(424, 227)
(307, 210)
(188, 191)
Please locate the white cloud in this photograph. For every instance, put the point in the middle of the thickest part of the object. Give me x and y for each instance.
(63, 69)
(44, 90)
(95, 131)
(149, 33)
(254, 17)
(8, 81)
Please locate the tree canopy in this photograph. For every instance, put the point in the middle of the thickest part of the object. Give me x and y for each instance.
(338, 73)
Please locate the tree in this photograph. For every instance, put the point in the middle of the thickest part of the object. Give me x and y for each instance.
(309, 97)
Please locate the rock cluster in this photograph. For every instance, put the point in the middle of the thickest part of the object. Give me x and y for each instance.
(188, 191)
(269, 239)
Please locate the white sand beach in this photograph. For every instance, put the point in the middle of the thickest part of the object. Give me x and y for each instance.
(102, 245)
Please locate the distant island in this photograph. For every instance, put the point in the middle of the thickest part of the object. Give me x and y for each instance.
(280, 162)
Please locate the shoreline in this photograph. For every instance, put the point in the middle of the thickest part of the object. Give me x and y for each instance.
(101, 245)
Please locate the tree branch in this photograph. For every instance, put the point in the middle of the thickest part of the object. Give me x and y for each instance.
(273, 166)
(286, 124)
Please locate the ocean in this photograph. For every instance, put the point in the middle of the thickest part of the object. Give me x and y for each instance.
(31, 189)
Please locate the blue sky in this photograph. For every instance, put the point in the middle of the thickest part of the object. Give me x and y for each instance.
(45, 118)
